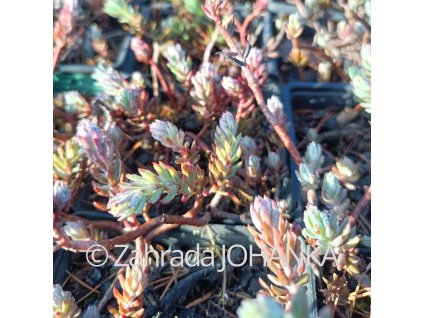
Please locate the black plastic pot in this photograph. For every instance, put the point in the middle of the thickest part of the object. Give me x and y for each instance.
(312, 95)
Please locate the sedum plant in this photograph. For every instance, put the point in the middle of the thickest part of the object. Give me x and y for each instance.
(361, 78)
(232, 87)
(168, 135)
(334, 196)
(130, 300)
(323, 230)
(314, 156)
(248, 146)
(78, 231)
(307, 171)
(125, 14)
(252, 167)
(273, 160)
(294, 28)
(234, 170)
(75, 103)
(267, 307)
(225, 161)
(61, 196)
(206, 91)
(347, 170)
(67, 159)
(178, 63)
(273, 234)
(119, 94)
(166, 182)
(257, 65)
(146, 188)
(260, 307)
(106, 166)
(307, 177)
(64, 304)
(276, 108)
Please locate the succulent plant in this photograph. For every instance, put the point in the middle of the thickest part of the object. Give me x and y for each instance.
(98, 41)
(276, 108)
(205, 90)
(277, 241)
(168, 135)
(64, 304)
(227, 148)
(114, 133)
(257, 64)
(265, 213)
(298, 57)
(66, 160)
(260, 307)
(64, 24)
(323, 230)
(314, 156)
(361, 78)
(248, 146)
(124, 13)
(273, 160)
(334, 196)
(294, 28)
(61, 196)
(252, 167)
(141, 49)
(76, 230)
(325, 70)
(362, 89)
(213, 8)
(102, 152)
(118, 93)
(307, 177)
(178, 63)
(266, 307)
(146, 188)
(75, 103)
(232, 86)
(347, 170)
(366, 59)
(130, 301)
(336, 290)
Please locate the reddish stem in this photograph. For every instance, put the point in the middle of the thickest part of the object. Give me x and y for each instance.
(243, 30)
(81, 246)
(104, 224)
(191, 214)
(360, 206)
(252, 83)
(163, 82)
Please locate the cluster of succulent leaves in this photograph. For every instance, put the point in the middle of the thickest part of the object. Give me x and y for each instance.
(166, 182)
(325, 226)
(118, 94)
(361, 78)
(331, 227)
(267, 307)
(345, 42)
(324, 230)
(125, 14)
